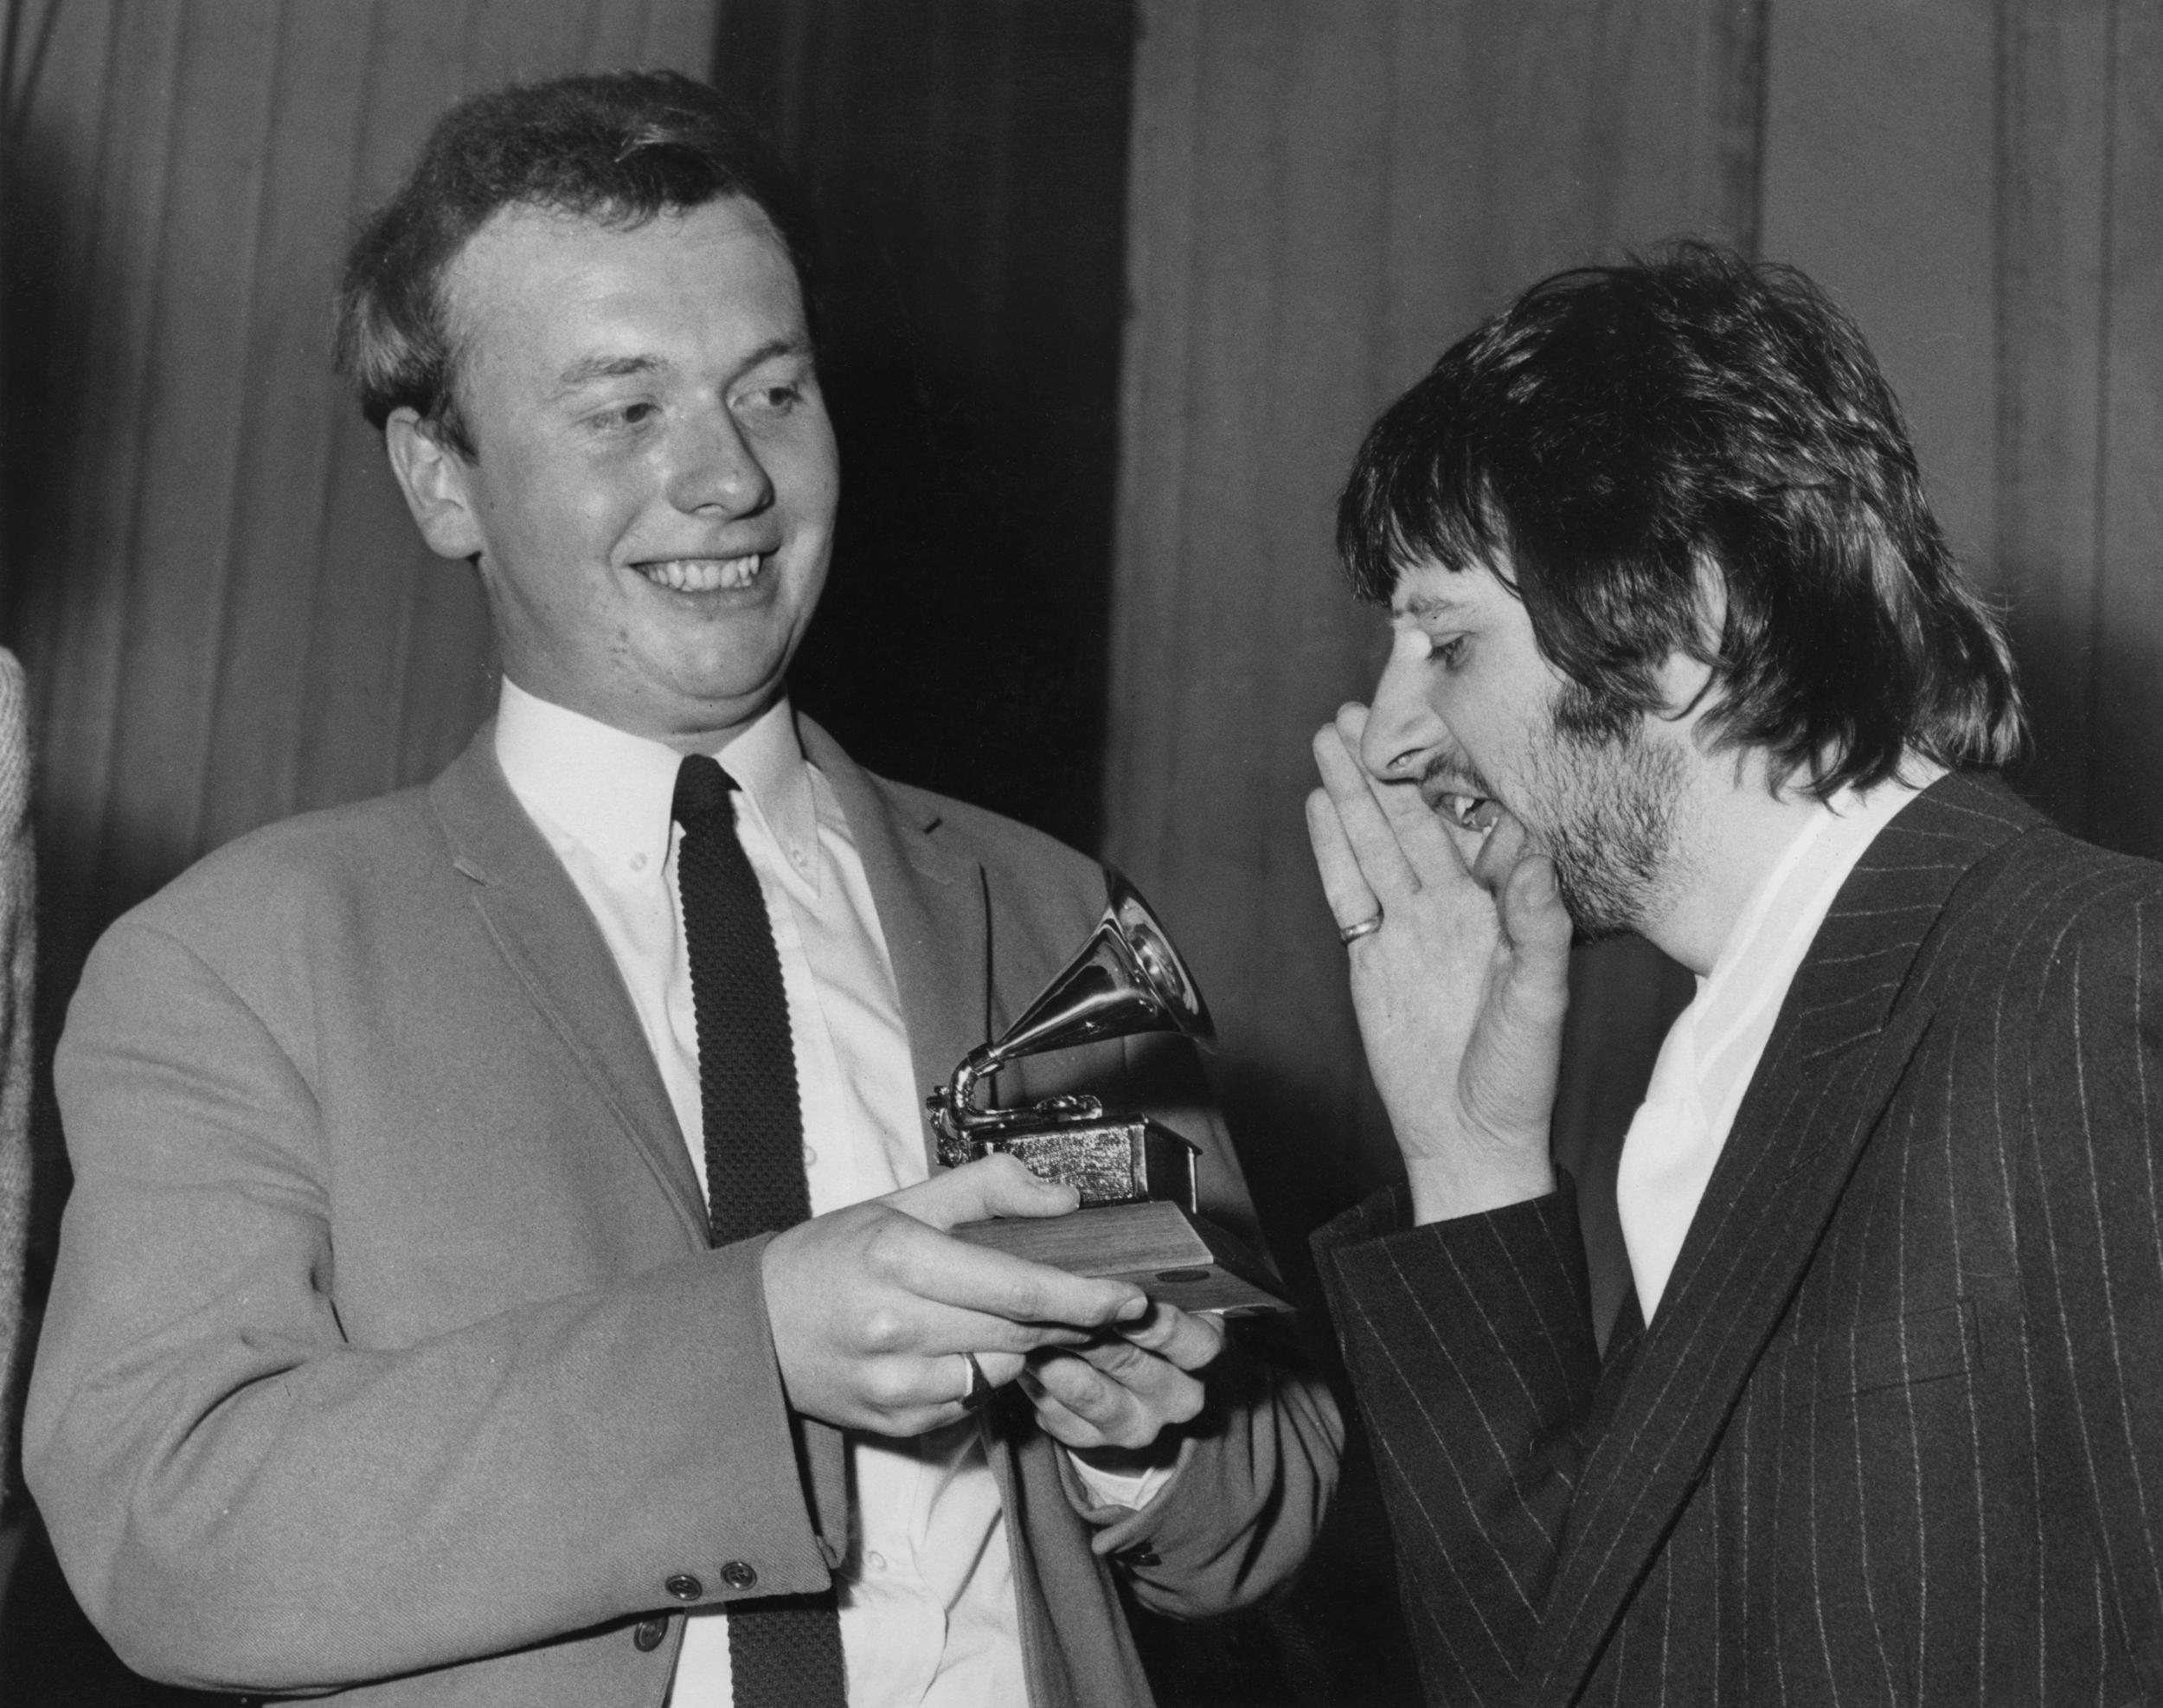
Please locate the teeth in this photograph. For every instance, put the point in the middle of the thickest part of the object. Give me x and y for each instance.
(1473, 812)
(703, 575)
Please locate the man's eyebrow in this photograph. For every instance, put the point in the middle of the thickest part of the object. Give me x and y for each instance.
(1426, 606)
(588, 370)
(773, 348)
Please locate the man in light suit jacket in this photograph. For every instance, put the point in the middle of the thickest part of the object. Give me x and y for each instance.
(387, 1351)
(1678, 649)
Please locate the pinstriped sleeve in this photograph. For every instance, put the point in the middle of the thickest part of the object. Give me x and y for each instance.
(2091, 1242)
(1471, 1351)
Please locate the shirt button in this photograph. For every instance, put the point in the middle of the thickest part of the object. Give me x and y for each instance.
(638, 864)
(646, 1634)
(811, 1157)
(876, 1562)
(685, 1588)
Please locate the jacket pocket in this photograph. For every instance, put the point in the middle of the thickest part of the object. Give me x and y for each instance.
(1919, 1346)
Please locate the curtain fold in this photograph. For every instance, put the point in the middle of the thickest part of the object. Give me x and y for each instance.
(2079, 422)
(226, 613)
(1323, 196)
(966, 163)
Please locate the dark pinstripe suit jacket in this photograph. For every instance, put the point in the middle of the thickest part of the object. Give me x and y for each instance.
(1895, 1433)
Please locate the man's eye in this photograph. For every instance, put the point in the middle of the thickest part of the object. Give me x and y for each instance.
(1449, 654)
(626, 415)
(777, 399)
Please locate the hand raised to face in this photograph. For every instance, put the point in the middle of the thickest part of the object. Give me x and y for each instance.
(1460, 992)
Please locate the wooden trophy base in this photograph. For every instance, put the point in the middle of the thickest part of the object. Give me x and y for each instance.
(1156, 1245)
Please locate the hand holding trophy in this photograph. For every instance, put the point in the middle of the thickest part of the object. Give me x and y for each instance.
(1139, 1220)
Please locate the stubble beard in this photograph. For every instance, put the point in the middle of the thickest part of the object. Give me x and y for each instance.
(1615, 801)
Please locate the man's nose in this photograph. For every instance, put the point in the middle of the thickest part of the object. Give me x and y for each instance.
(1404, 730)
(715, 467)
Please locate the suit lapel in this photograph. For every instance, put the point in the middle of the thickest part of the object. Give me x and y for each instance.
(1829, 1069)
(931, 906)
(541, 924)
(931, 909)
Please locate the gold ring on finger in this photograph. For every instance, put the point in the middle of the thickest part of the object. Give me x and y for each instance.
(1360, 927)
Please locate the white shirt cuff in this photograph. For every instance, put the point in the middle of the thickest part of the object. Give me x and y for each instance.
(1135, 1489)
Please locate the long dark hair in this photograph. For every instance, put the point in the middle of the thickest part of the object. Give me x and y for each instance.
(1619, 436)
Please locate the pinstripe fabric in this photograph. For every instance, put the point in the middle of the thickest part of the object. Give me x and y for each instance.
(1896, 1433)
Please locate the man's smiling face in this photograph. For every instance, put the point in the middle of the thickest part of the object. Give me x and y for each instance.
(652, 492)
(1496, 740)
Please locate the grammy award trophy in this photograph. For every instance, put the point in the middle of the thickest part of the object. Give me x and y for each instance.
(1139, 1219)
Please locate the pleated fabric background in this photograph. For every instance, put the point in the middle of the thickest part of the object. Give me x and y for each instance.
(227, 618)
(225, 611)
(1325, 194)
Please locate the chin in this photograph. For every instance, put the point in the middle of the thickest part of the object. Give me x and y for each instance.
(725, 676)
(1600, 908)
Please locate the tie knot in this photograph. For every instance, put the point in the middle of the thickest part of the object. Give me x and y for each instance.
(702, 788)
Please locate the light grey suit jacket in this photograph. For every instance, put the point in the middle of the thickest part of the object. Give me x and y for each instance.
(385, 1348)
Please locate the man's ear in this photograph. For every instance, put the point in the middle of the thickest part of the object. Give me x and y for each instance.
(1687, 683)
(438, 485)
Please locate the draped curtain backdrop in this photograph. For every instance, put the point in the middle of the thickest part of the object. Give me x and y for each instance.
(1326, 193)
(226, 614)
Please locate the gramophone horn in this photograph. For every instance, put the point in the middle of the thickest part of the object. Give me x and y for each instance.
(1127, 978)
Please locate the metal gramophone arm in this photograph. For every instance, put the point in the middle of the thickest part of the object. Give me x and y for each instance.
(962, 1108)
(961, 1120)
(1127, 978)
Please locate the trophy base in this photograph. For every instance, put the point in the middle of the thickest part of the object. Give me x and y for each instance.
(1166, 1251)
(1116, 1160)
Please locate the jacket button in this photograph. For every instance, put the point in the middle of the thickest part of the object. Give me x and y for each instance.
(739, 1573)
(685, 1588)
(646, 1634)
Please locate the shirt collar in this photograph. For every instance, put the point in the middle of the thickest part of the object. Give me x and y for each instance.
(1791, 901)
(767, 762)
(611, 790)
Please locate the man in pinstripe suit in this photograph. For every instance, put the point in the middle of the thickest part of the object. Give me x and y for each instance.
(1679, 649)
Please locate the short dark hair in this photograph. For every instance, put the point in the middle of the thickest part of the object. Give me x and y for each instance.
(1617, 431)
(619, 147)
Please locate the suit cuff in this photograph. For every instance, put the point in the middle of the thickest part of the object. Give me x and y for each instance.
(1502, 1280)
(1119, 1491)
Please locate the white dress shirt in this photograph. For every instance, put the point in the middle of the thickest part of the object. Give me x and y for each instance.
(927, 1613)
(1712, 1050)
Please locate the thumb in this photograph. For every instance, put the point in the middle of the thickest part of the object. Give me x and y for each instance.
(996, 1185)
(1537, 926)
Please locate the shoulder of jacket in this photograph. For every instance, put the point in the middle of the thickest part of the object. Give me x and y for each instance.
(2046, 899)
(989, 836)
(388, 840)
(2059, 873)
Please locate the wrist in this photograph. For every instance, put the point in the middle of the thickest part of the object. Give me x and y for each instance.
(1445, 1188)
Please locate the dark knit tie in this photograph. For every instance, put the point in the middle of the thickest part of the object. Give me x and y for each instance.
(784, 1651)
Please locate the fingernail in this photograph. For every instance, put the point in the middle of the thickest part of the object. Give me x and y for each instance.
(1134, 1309)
